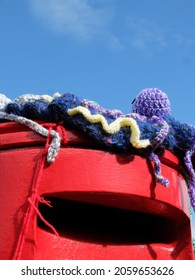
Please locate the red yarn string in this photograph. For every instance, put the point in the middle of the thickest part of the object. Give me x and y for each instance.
(42, 218)
(33, 202)
(44, 201)
(60, 129)
(63, 134)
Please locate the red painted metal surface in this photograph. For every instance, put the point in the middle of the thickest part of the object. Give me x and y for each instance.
(105, 205)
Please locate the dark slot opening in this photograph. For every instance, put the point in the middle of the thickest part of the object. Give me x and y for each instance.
(106, 225)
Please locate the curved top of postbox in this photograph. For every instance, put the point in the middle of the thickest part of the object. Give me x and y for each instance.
(147, 131)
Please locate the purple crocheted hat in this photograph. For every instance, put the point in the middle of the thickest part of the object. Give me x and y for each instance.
(151, 102)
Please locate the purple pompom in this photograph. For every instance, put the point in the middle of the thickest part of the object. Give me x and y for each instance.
(151, 102)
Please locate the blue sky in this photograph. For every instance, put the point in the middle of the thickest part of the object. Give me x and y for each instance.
(102, 50)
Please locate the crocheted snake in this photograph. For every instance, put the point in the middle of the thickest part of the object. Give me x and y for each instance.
(147, 131)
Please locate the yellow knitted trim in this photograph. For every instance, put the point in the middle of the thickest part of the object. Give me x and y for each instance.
(114, 126)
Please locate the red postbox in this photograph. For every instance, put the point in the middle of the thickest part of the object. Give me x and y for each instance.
(102, 205)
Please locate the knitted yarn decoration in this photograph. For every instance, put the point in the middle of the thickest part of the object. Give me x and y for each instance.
(180, 138)
(146, 131)
(151, 102)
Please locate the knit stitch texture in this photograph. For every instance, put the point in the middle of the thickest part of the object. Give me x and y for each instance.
(150, 122)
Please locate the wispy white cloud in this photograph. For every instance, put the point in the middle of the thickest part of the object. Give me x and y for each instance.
(185, 41)
(88, 20)
(82, 19)
(145, 36)
(149, 38)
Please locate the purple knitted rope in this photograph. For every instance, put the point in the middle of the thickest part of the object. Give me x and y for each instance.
(191, 185)
(157, 170)
(90, 104)
(158, 139)
(162, 133)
